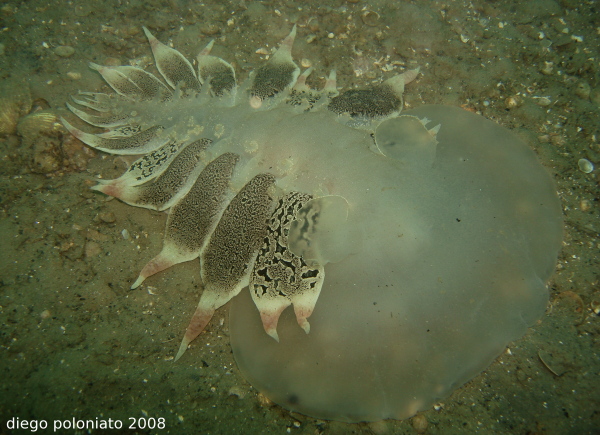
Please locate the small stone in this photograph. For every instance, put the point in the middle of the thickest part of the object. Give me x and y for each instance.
(107, 217)
(512, 102)
(64, 51)
(237, 391)
(542, 101)
(133, 30)
(585, 166)
(370, 18)
(74, 75)
(379, 427)
(313, 25)
(210, 29)
(547, 68)
(557, 139)
(419, 423)
(595, 304)
(583, 90)
(264, 401)
(585, 205)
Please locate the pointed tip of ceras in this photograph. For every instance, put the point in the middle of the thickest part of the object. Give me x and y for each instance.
(330, 88)
(273, 334)
(74, 131)
(270, 310)
(151, 38)
(157, 264)
(199, 320)
(284, 52)
(277, 75)
(111, 188)
(398, 82)
(300, 85)
(288, 42)
(304, 325)
(182, 348)
(137, 282)
(411, 74)
(303, 308)
(95, 66)
(173, 66)
(206, 50)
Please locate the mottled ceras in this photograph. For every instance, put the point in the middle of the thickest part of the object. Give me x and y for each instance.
(238, 188)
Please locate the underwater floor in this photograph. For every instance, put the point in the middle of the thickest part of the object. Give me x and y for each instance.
(76, 343)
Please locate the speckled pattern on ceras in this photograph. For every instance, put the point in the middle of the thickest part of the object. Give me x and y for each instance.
(241, 239)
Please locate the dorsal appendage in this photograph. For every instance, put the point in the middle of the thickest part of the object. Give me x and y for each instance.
(367, 108)
(173, 66)
(277, 75)
(281, 278)
(134, 83)
(232, 246)
(215, 72)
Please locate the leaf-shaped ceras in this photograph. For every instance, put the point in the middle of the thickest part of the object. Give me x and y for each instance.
(201, 140)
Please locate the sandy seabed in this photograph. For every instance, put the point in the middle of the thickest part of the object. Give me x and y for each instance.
(78, 345)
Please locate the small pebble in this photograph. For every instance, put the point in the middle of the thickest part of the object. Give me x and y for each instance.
(542, 101)
(107, 217)
(133, 30)
(585, 205)
(64, 51)
(419, 423)
(512, 102)
(370, 18)
(547, 68)
(583, 90)
(237, 391)
(210, 29)
(595, 304)
(585, 166)
(313, 25)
